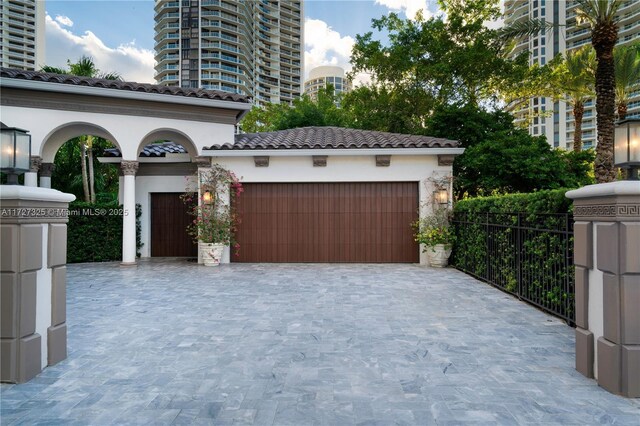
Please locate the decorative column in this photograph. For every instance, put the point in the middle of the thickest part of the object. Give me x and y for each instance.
(203, 163)
(46, 170)
(129, 169)
(33, 328)
(607, 294)
(31, 177)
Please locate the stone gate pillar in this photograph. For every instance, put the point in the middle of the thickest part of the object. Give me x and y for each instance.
(33, 235)
(607, 261)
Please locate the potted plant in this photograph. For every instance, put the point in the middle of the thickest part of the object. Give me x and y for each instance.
(436, 235)
(213, 210)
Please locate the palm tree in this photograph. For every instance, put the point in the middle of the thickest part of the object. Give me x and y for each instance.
(575, 78)
(85, 67)
(600, 15)
(627, 60)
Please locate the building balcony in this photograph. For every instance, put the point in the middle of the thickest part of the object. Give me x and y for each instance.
(218, 3)
(168, 16)
(172, 77)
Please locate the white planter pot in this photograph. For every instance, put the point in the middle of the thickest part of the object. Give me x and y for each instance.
(211, 253)
(438, 255)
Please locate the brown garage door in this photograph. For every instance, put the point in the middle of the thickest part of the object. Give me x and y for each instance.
(169, 220)
(328, 222)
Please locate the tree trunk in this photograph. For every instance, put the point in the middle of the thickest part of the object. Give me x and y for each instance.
(92, 184)
(83, 165)
(578, 112)
(603, 39)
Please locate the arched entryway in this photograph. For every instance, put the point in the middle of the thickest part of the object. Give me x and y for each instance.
(56, 108)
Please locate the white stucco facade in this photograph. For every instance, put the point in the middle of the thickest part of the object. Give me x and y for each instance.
(285, 168)
(50, 129)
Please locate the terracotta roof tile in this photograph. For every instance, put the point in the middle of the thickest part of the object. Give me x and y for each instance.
(151, 150)
(331, 138)
(120, 85)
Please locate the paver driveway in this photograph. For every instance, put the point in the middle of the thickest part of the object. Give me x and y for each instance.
(307, 344)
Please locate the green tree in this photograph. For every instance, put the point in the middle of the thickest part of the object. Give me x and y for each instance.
(429, 62)
(68, 178)
(600, 17)
(575, 78)
(500, 157)
(627, 63)
(85, 67)
(305, 111)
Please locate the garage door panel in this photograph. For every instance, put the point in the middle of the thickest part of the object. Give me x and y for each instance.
(328, 222)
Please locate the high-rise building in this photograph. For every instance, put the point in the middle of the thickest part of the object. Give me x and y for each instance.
(320, 77)
(251, 47)
(543, 116)
(22, 38)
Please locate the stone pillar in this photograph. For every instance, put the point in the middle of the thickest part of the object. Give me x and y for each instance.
(129, 169)
(31, 177)
(46, 170)
(33, 235)
(203, 163)
(607, 260)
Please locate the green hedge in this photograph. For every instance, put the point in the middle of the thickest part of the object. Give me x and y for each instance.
(541, 202)
(522, 243)
(94, 232)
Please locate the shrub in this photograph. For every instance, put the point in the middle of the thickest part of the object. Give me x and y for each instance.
(521, 243)
(94, 232)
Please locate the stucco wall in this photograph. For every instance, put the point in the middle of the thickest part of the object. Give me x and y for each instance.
(300, 169)
(49, 129)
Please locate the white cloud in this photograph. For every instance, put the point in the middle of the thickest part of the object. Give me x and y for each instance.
(128, 60)
(410, 8)
(496, 23)
(64, 21)
(326, 46)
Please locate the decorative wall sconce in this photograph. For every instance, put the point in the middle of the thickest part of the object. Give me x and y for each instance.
(207, 197)
(441, 196)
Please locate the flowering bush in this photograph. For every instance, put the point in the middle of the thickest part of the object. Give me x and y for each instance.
(434, 229)
(215, 219)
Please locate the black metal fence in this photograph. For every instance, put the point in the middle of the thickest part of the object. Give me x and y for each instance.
(528, 255)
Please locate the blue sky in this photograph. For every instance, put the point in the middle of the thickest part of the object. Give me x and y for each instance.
(118, 34)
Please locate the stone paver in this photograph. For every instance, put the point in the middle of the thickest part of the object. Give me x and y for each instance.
(176, 343)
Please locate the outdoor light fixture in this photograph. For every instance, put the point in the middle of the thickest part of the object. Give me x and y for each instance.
(441, 196)
(626, 151)
(207, 197)
(15, 155)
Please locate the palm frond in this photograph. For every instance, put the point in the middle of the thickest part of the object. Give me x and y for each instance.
(627, 70)
(53, 70)
(597, 11)
(527, 28)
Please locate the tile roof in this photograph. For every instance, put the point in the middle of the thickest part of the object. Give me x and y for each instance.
(120, 85)
(151, 150)
(331, 138)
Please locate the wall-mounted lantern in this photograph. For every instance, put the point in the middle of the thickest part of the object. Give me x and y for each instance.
(207, 197)
(15, 152)
(626, 150)
(441, 196)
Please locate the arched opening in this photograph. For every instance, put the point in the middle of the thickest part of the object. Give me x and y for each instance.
(160, 136)
(73, 149)
(166, 163)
